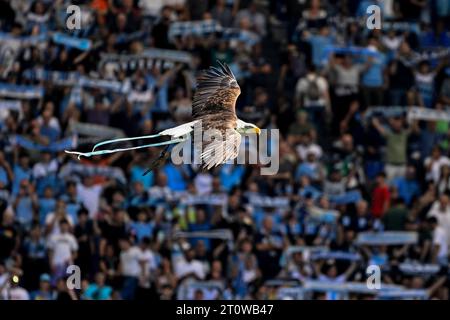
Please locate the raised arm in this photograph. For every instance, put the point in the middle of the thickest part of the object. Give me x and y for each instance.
(377, 125)
(350, 270)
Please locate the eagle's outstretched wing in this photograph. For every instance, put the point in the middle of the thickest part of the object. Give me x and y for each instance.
(220, 151)
(214, 104)
(216, 92)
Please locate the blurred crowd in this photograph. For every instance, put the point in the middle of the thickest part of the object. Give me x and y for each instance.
(310, 68)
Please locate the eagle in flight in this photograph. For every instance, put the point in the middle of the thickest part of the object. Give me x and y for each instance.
(214, 109)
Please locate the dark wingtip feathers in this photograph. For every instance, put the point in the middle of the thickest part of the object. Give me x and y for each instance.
(221, 71)
(226, 69)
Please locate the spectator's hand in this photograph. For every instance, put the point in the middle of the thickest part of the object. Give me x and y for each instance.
(59, 215)
(375, 122)
(354, 107)
(31, 188)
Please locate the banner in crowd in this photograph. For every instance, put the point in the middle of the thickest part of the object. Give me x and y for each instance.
(293, 249)
(417, 113)
(24, 92)
(95, 130)
(211, 289)
(335, 255)
(204, 28)
(348, 197)
(306, 251)
(223, 234)
(82, 44)
(8, 55)
(324, 215)
(385, 111)
(341, 22)
(269, 202)
(386, 291)
(401, 26)
(9, 105)
(387, 238)
(212, 199)
(357, 51)
(72, 170)
(296, 293)
(342, 288)
(128, 37)
(149, 58)
(38, 18)
(63, 144)
(140, 97)
(75, 79)
(199, 28)
(345, 198)
(419, 269)
(109, 85)
(10, 47)
(412, 113)
(432, 55)
(56, 77)
(403, 294)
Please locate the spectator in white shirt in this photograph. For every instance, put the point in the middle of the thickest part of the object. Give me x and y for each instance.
(440, 244)
(48, 118)
(189, 267)
(12, 290)
(53, 219)
(441, 211)
(63, 248)
(44, 169)
(148, 266)
(434, 163)
(203, 183)
(307, 146)
(312, 91)
(89, 194)
(151, 7)
(130, 268)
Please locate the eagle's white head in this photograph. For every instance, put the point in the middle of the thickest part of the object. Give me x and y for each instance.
(246, 127)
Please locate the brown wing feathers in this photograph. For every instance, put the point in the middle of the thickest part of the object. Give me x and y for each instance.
(217, 91)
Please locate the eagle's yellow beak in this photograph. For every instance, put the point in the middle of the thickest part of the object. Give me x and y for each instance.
(257, 130)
